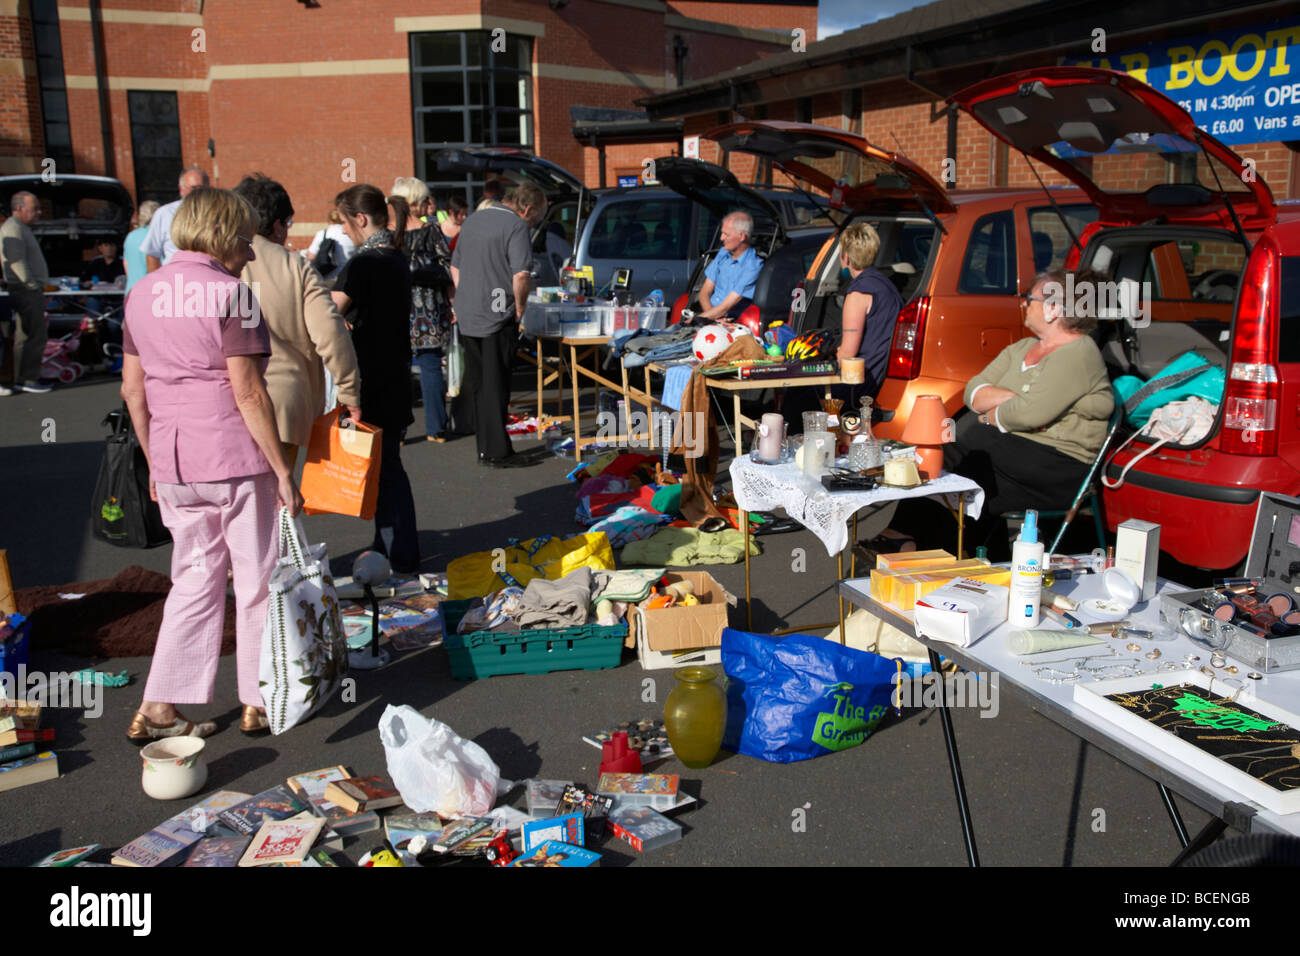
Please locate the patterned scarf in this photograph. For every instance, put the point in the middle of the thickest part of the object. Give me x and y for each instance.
(378, 240)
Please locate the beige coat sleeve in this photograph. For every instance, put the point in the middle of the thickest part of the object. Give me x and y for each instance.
(330, 336)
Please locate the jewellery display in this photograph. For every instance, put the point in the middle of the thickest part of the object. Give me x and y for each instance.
(1255, 675)
(1232, 669)
(1152, 654)
(1218, 660)
(1133, 647)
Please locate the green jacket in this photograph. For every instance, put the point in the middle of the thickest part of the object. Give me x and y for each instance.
(1065, 401)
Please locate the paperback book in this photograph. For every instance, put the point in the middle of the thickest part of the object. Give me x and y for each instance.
(69, 857)
(282, 841)
(277, 803)
(403, 825)
(166, 843)
(219, 851)
(355, 794)
(458, 831)
(29, 770)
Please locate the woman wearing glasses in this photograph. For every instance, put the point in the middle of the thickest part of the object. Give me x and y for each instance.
(1042, 409)
(192, 377)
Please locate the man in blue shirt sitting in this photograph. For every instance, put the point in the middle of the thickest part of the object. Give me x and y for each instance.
(729, 279)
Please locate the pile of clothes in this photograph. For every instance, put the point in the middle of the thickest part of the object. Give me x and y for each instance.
(574, 600)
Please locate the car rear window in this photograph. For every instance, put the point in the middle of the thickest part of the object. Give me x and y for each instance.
(990, 264)
(641, 229)
(1051, 239)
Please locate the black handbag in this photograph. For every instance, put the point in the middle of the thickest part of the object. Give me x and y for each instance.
(122, 512)
(327, 256)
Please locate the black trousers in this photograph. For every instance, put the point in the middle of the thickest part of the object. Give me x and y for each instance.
(1016, 474)
(395, 523)
(486, 388)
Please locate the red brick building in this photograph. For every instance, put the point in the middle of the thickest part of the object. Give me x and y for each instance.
(889, 80)
(321, 93)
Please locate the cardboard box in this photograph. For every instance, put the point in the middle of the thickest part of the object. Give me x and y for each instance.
(883, 581)
(910, 588)
(1137, 551)
(962, 611)
(652, 660)
(683, 628)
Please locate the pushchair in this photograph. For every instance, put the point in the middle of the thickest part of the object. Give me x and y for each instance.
(59, 360)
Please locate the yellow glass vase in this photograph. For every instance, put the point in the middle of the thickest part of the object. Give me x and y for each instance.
(695, 716)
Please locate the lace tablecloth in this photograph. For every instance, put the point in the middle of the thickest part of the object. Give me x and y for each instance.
(826, 514)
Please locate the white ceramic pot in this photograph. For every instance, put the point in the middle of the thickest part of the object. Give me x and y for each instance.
(174, 768)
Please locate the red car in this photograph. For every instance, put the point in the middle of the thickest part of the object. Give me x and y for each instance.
(1191, 224)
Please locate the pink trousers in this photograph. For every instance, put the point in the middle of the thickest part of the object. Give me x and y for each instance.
(215, 526)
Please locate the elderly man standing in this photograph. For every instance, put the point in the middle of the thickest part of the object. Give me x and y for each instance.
(158, 247)
(492, 268)
(307, 332)
(26, 273)
(729, 279)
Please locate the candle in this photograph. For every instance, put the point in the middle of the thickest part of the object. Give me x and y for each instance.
(853, 371)
(771, 432)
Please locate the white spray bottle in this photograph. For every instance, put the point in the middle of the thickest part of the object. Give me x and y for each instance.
(1026, 575)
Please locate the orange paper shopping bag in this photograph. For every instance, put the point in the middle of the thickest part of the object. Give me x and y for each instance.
(341, 476)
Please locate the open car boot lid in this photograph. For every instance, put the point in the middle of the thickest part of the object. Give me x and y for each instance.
(717, 190)
(874, 179)
(1109, 133)
(85, 206)
(515, 164)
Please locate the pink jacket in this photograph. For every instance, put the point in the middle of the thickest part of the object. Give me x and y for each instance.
(183, 321)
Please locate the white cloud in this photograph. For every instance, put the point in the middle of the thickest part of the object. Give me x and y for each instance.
(836, 16)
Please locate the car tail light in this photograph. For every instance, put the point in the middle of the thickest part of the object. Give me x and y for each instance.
(1252, 391)
(905, 356)
(749, 318)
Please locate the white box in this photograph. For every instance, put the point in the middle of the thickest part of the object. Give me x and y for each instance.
(652, 660)
(961, 611)
(1137, 552)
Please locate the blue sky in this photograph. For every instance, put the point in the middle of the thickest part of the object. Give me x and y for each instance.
(836, 16)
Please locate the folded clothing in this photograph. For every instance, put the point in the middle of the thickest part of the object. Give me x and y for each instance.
(631, 584)
(630, 523)
(492, 613)
(683, 547)
(562, 603)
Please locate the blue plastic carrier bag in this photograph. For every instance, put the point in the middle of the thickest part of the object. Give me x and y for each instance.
(797, 697)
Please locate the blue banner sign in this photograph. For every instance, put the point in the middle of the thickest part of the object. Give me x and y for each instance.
(1242, 85)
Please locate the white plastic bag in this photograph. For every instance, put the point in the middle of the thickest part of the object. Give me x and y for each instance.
(433, 768)
(455, 363)
(304, 654)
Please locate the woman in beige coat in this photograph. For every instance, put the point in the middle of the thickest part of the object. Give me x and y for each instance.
(307, 332)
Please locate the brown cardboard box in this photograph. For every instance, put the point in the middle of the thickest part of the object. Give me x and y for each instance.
(680, 628)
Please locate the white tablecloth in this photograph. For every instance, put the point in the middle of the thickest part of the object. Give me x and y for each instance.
(826, 514)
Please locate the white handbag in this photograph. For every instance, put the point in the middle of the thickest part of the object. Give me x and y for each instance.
(1185, 422)
(304, 649)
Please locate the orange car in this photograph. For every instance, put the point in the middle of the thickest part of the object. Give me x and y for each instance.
(960, 258)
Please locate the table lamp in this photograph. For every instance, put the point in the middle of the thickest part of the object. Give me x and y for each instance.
(928, 430)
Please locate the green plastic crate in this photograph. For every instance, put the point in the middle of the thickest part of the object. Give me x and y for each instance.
(533, 651)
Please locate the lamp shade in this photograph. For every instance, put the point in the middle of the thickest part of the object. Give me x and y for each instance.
(925, 423)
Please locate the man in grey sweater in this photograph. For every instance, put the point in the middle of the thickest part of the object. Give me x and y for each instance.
(26, 273)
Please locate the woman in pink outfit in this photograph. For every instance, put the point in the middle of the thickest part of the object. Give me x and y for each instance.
(195, 350)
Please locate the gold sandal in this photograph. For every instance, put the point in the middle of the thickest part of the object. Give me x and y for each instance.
(143, 729)
(253, 721)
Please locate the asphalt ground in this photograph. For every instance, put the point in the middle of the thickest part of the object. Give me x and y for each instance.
(1035, 790)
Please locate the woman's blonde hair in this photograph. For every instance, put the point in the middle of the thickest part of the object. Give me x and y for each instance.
(413, 190)
(210, 220)
(147, 209)
(860, 243)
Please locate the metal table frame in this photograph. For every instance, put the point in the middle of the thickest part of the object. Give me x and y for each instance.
(1169, 774)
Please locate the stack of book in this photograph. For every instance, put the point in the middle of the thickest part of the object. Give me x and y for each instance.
(23, 757)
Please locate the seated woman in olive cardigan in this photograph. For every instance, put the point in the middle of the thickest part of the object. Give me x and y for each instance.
(1040, 413)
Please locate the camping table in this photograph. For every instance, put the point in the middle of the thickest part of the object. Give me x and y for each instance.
(1056, 702)
(737, 385)
(75, 297)
(826, 514)
(580, 349)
